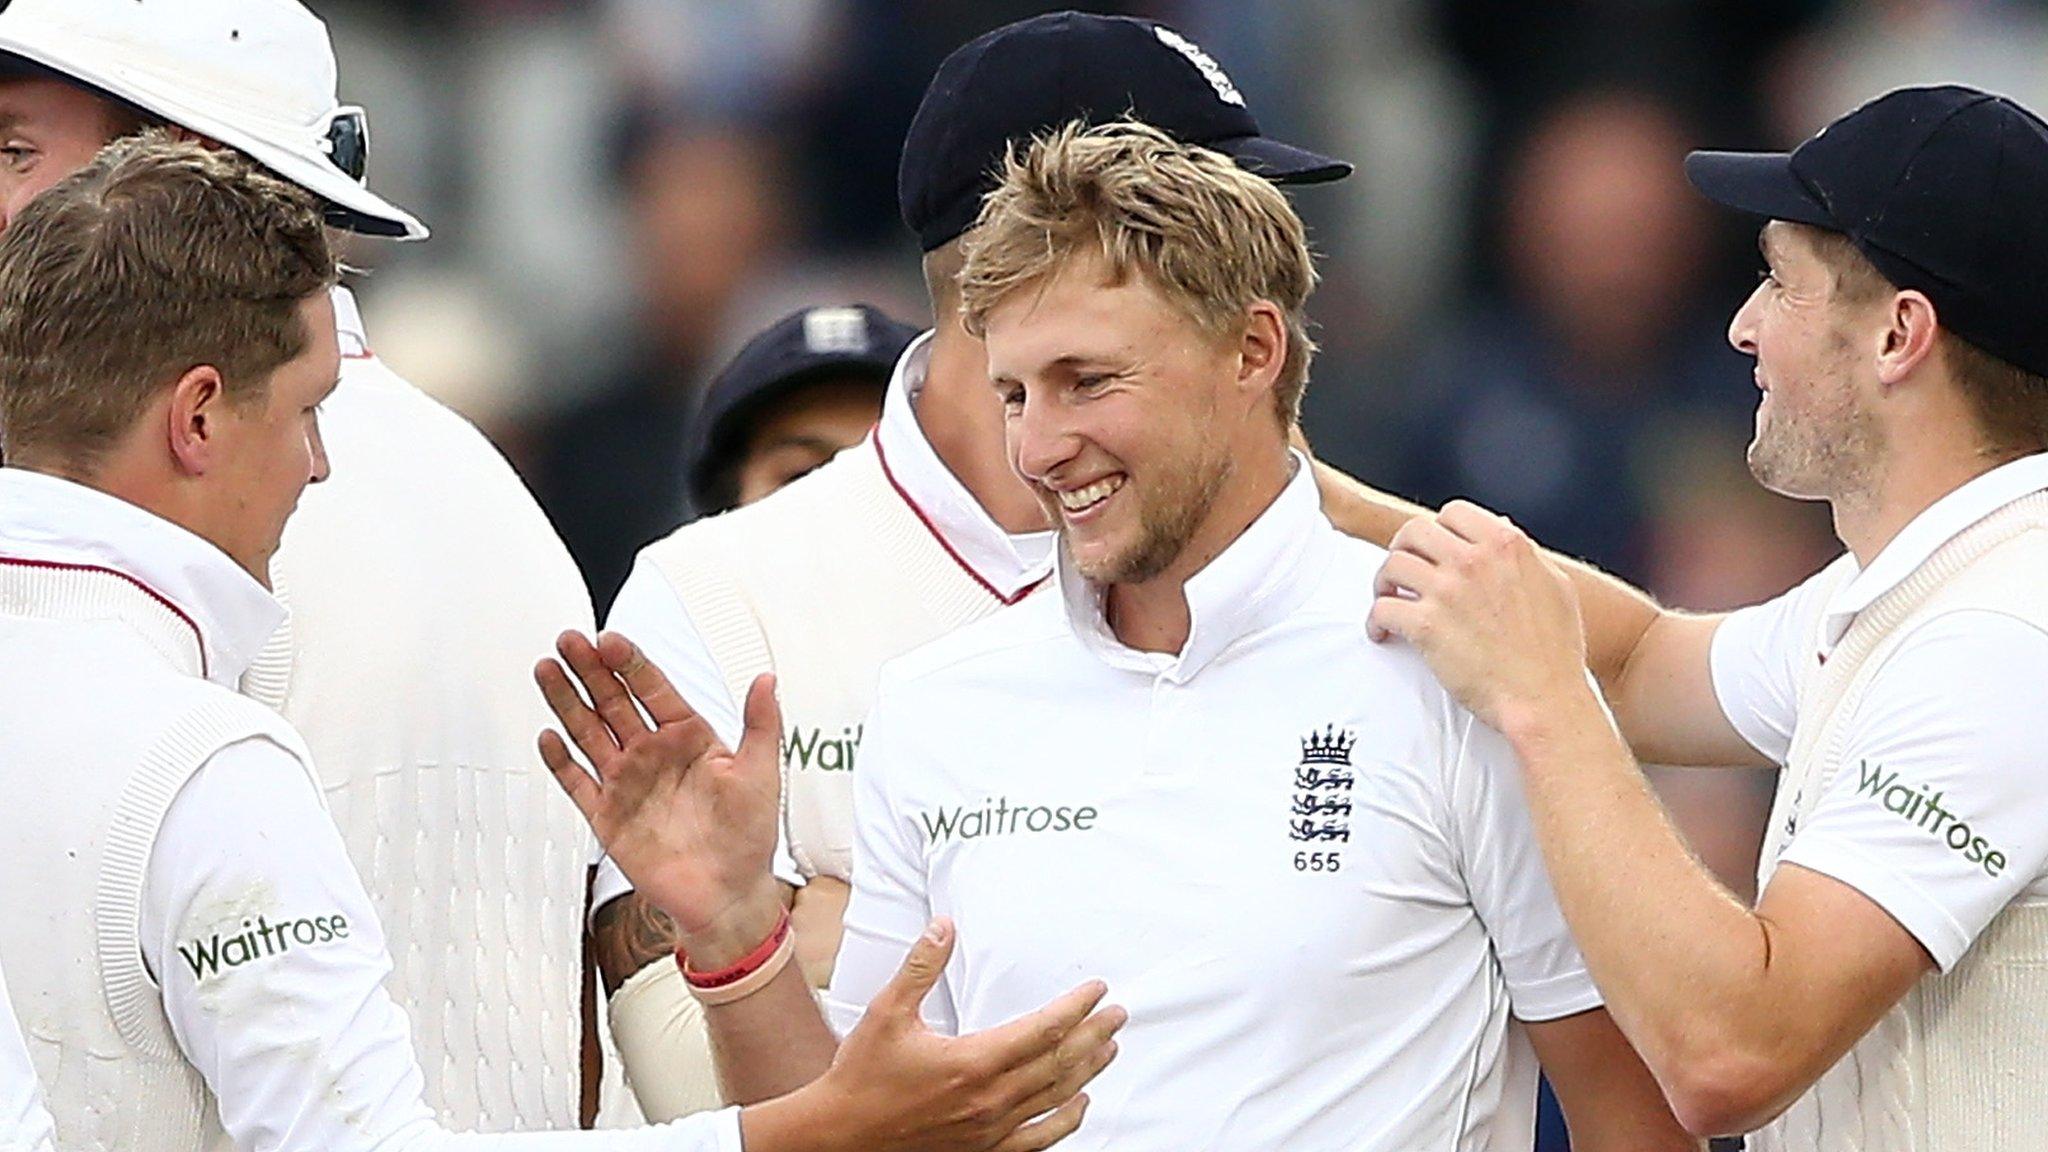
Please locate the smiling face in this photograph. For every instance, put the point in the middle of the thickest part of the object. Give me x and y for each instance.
(1122, 415)
(1817, 433)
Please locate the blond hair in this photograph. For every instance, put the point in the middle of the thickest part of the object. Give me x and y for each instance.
(1212, 236)
(157, 257)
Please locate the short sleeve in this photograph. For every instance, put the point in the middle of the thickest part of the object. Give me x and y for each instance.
(648, 612)
(890, 905)
(1756, 656)
(24, 1123)
(1510, 887)
(1937, 812)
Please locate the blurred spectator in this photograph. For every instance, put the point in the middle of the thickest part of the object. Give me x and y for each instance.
(1869, 47)
(806, 388)
(1546, 403)
(707, 215)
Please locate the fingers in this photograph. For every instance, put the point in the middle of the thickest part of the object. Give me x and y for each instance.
(582, 790)
(1059, 1074)
(1028, 1037)
(1471, 522)
(1047, 1130)
(589, 732)
(903, 995)
(647, 683)
(1396, 617)
(606, 692)
(1425, 537)
(1404, 572)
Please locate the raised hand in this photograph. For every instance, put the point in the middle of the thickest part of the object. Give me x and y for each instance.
(690, 822)
(1013, 1088)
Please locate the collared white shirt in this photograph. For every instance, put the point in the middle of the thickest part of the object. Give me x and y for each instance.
(24, 1123)
(1306, 872)
(314, 1055)
(1954, 715)
(649, 611)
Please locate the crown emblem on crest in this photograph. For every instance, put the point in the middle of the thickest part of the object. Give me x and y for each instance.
(1328, 746)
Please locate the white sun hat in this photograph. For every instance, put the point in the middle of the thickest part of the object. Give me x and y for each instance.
(255, 75)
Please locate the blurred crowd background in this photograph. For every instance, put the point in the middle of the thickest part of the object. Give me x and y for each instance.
(1523, 303)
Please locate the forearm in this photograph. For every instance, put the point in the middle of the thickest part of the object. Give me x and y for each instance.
(1681, 963)
(1616, 615)
(772, 1042)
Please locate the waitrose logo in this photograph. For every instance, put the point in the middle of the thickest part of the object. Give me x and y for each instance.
(1923, 809)
(258, 939)
(999, 817)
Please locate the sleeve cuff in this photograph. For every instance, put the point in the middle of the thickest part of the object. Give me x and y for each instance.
(1925, 918)
(1555, 997)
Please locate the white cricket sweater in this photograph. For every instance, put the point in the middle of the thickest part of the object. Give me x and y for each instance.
(1956, 1065)
(423, 583)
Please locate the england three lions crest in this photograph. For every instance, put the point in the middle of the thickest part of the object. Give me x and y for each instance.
(1323, 777)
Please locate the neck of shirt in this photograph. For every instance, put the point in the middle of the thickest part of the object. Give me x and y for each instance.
(1939, 523)
(1253, 583)
(1008, 565)
(51, 521)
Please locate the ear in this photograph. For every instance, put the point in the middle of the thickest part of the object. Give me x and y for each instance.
(195, 419)
(1262, 352)
(1908, 338)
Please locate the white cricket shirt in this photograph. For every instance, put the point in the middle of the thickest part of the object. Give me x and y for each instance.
(268, 954)
(24, 1122)
(909, 532)
(1308, 874)
(1947, 738)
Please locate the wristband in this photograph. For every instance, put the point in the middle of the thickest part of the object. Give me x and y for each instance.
(747, 975)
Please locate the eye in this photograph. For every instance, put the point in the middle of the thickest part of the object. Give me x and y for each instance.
(1768, 276)
(1013, 396)
(16, 155)
(1092, 382)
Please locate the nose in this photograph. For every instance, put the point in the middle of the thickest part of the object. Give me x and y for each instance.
(318, 449)
(1040, 437)
(1742, 328)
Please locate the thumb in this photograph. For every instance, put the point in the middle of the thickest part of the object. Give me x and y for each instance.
(761, 731)
(906, 990)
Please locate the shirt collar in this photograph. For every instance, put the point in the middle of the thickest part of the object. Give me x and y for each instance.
(53, 520)
(1941, 522)
(1261, 577)
(348, 325)
(1007, 565)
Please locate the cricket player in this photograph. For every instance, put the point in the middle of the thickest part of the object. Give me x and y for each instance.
(920, 529)
(802, 390)
(203, 964)
(413, 620)
(24, 1123)
(1308, 874)
(1889, 990)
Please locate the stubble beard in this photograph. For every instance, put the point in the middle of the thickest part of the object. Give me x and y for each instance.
(1167, 519)
(1828, 451)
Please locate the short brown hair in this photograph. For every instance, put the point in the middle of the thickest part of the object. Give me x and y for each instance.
(156, 258)
(1214, 237)
(2010, 403)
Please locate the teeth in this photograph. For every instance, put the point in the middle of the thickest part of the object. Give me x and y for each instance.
(1081, 498)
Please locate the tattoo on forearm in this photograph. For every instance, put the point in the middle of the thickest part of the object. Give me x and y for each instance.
(628, 934)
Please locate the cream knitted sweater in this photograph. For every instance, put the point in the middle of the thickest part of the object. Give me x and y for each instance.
(1958, 1065)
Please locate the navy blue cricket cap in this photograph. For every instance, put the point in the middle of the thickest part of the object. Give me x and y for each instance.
(810, 345)
(1035, 75)
(1942, 188)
